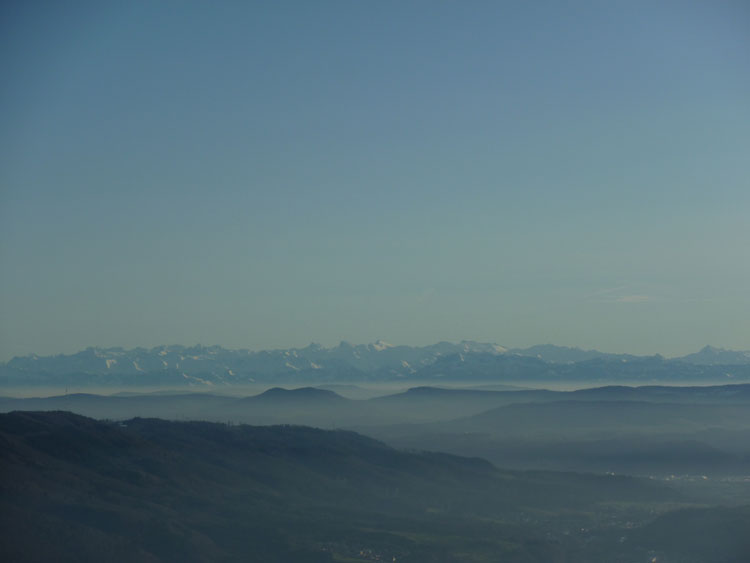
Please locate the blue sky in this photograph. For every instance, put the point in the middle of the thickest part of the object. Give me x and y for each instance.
(269, 174)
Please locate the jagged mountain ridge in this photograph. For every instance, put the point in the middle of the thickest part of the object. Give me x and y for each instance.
(710, 355)
(214, 364)
(210, 365)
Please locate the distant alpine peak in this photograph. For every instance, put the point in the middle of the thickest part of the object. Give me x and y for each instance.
(709, 355)
(487, 347)
(381, 345)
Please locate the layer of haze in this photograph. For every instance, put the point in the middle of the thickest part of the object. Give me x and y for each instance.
(266, 174)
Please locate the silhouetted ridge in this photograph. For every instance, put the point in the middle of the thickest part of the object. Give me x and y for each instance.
(427, 390)
(302, 394)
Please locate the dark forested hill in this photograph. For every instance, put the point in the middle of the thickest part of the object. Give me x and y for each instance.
(74, 489)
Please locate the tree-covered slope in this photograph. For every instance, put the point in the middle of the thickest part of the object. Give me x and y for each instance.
(75, 489)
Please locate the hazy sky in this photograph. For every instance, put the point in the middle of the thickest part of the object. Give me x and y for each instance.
(268, 174)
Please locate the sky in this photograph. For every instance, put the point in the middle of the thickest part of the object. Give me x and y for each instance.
(267, 174)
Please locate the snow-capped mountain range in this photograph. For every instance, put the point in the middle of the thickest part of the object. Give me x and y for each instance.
(378, 361)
